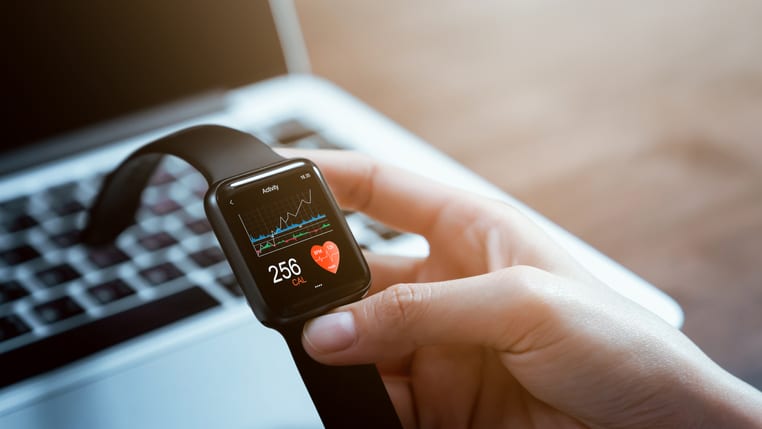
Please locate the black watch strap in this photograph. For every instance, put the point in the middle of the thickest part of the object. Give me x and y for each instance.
(215, 151)
(345, 396)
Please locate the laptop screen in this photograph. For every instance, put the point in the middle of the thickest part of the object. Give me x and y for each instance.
(72, 64)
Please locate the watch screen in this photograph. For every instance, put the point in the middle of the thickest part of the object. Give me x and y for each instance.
(294, 239)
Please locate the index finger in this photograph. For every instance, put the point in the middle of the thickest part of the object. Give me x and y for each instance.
(495, 234)
(396, 197)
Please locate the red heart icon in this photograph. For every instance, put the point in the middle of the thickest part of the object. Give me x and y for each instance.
(327, 256)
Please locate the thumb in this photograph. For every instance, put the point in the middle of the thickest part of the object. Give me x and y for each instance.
(497, 309)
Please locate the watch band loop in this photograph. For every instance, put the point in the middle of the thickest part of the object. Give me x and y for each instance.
(217, 152)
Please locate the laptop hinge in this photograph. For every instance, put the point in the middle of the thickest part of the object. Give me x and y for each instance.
(113, 130)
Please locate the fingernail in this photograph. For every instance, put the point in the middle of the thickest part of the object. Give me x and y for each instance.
(332, 332)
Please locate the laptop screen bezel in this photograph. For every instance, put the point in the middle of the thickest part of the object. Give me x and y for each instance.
(82, 139)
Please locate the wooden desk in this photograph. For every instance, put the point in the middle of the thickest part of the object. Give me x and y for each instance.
(637, 126)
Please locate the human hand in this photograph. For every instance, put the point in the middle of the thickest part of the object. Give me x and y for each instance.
(500, 327)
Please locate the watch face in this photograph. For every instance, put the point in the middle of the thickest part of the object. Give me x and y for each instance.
(293, 238)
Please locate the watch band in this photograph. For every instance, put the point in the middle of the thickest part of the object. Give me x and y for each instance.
(345, 396)
(217, 152)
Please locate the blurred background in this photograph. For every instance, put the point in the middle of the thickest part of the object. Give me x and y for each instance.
(635, 125)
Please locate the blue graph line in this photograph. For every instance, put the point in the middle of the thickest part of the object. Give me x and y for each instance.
(287, 228)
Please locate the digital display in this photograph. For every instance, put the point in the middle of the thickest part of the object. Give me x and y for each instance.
(293, 237)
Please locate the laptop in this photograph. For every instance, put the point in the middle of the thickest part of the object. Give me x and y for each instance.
(152, 332)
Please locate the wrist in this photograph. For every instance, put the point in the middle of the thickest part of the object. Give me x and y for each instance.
(689, 390)
(710, 397)
(729, 402)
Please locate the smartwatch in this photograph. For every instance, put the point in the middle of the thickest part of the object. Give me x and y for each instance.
(286, 240)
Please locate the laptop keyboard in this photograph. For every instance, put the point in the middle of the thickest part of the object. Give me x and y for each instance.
(61, 301)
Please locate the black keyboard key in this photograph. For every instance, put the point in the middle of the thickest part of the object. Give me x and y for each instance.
(11, 326)
(199, 226)
(161, 273)
(207, 257)
(157, 241)
(383, 231)
(57, 310)
(66, 238)
(66, 208)
(290, 131)
(107, 256)
(63, 192)
(58, 350)
(315, 142)
(110, 291)
(20, 223)
(164, 207)
(59, 274)
(161, 177)
(200, 192)
(15, 206)
(19, 254)
(11, 290)
(231, 284)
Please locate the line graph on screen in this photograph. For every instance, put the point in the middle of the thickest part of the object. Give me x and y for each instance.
(285, 223)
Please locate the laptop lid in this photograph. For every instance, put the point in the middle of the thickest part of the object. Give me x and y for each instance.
(79, 73)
